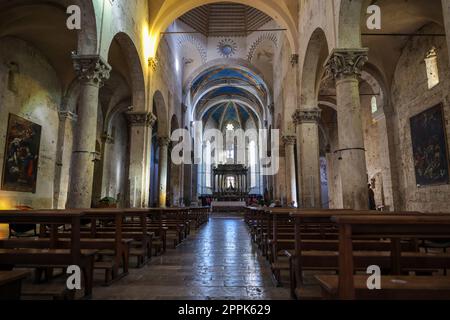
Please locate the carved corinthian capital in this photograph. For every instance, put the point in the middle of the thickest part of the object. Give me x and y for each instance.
(141, 119)
(91, 68)
(346, 62)
(164, 141)
(306, 116)
(289, 140)
(67, 115)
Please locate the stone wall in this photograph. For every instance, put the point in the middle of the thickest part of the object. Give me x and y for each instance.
(411, 96)
(35, 96)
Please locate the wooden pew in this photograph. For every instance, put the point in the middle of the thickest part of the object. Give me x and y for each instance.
(198, 216)
(315, 241)
(50, 257)
(168, 219)
(11, 284)
(281, 236)
(347, 286)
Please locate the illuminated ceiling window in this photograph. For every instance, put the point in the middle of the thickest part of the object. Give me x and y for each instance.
(230, 127)
(431, 62)
(374, 105)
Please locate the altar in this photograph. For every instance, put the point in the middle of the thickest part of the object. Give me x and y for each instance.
(230, 183)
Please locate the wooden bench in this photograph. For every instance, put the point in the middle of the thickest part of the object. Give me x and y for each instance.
(11, 284)
(393, 287)
(86, 243)
(347, 286)
(50, 257)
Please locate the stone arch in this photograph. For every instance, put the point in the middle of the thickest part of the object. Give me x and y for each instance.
(173, 9)
(70, 97)
(373, 77)
(87, 36)
(225, 62)
(113, 112)
(312, 71)
(136, 73)
(228, 63)
(160, 110)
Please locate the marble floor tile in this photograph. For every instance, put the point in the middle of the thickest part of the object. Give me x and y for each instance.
(218, 262)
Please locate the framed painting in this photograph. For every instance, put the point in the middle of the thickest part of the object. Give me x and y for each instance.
(430, 151)
(20, 165)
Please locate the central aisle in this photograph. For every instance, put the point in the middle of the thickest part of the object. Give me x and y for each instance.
(219, 262)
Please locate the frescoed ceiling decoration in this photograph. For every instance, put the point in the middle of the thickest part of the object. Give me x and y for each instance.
(227, 47)
(229, 93)
(229, 112)
(230, 77)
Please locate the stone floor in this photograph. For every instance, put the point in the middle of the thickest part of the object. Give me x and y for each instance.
(217, 262)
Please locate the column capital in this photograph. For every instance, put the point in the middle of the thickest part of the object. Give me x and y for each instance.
(91, 68)
(346, 62)
(153, 63)
(294, 59)
(67, 115)
(141, 119)
(164, 141)
(289, 140)
(107, 138)
(306, 116)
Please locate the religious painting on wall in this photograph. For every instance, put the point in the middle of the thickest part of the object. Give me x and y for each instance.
(21, 158)
(430, 147)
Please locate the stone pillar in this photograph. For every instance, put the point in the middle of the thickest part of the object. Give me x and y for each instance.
(345, 65)
(108, 143)
(389, 159)
(291, 184)
(163, 143)
(308, 148)
(446, 14)
(92, 70)
(140, 128)
(67, 122)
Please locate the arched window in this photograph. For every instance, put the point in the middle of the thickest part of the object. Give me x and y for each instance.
(229, 152)
(252, 163)
(374, 105)
(431, 61)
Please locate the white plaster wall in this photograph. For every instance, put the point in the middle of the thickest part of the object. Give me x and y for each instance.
(37, 99)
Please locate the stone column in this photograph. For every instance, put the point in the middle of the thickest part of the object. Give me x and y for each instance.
(67, 122)
(163, 143)
(390, 162)
(307, 127)
(92, 70)
(291, 184)
(345, 65)
(446, 14)
(140, 127)
(108, 143)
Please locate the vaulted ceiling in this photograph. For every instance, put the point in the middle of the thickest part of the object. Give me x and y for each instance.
(225, 19)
